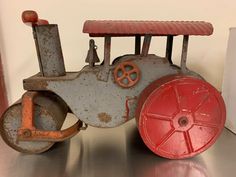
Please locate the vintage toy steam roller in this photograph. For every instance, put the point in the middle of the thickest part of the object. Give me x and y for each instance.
(178, 113)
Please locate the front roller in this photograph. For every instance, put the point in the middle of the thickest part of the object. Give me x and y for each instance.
(180, 116)
(47, 116)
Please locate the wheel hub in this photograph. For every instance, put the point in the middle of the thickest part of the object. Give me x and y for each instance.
(183, 121)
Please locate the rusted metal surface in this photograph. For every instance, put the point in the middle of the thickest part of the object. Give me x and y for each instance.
(28, 110)
(94, 90)
(37, 50)
(107, 95)
(103, 74)
(39, 84)
(49, 114)
(28, 132)
(128, 104)
(92, 56)
(49, 46)
(127, 74)
(51, 136)
(87, 96)
(104, 117)
(3, 93)
(92, 96)
(30, 17)
(101, 28)
(146, 45)
(184, 54)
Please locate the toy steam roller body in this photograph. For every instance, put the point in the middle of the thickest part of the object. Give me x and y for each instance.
(177, 112)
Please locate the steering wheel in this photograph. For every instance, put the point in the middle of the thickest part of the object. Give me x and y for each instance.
(126, 74)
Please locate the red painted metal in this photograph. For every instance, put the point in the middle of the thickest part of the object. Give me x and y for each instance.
(42, 22)
(180, 116)
(30, 17)
(123, 74)
(100, 28)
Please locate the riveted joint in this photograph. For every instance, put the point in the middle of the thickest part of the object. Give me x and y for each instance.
(84, 127)
(26, 133)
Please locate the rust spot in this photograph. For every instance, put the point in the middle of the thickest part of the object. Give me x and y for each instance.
(42, 84)
(128, 102)
(35, 84)
(104, 117)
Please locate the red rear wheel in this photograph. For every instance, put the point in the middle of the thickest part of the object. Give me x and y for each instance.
(180, 116)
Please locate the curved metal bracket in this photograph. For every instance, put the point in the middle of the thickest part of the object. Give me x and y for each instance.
(28, 132)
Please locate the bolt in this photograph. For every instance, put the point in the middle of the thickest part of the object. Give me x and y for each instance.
(183, 121)
(26, 133)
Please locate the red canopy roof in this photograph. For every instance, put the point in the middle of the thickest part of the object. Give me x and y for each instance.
(101, 28)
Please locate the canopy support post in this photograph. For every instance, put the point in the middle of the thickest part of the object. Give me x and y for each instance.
(104, 73)
(107, 50)
(137, 44)
(169, 47)
(184, 53)
(146, 45)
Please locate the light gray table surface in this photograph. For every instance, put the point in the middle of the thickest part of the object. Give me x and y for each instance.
(117, 152)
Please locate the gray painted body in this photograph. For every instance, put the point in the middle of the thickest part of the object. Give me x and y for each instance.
(102, 103)
(50, 55)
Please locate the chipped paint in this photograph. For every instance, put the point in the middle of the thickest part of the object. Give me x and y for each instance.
(129, 101)
(104, 117)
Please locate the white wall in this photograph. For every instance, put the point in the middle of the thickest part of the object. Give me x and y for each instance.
(229, 82)
(206, 54)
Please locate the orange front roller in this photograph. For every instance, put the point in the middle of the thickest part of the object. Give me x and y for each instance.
(28, 132)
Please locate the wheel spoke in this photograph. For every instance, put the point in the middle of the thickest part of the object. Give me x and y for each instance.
(177, 98)
(205, 124)
(188, 142)
(166, 137)
(201, 103)
(121, 78)
(159, 116)
(129, 79)
(180, 116)
(122, 69)
(132, 71)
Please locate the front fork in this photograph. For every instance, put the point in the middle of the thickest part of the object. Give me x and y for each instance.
(28, 132)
